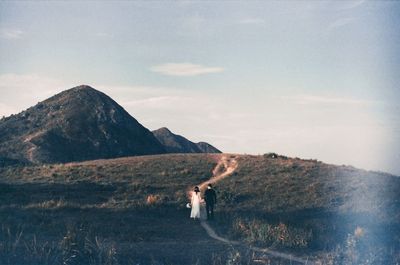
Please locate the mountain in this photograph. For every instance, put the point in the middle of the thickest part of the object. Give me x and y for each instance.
(75, 125)
(207, 148)
(174, 143)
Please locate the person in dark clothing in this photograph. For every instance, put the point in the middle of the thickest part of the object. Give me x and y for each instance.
(211, 199)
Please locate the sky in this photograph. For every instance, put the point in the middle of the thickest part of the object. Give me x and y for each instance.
(309, 79)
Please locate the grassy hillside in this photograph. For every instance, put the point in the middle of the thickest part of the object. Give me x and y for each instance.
(307, 205)
(121, 182)
(275, 185)
(101, 212)
(131, 210)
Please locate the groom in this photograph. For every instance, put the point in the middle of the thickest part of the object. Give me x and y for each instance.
(211, 199)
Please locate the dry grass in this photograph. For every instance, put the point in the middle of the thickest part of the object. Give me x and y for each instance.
(272, 235)
(286, 185)
(125, 211)
(293, 203)
(132, 209)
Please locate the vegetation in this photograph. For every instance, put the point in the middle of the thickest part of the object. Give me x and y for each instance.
(274, 235)
(277, 185)
(132, 210)
(308, 206)
(100, 206)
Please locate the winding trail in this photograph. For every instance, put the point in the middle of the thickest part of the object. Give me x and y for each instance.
(225, 167)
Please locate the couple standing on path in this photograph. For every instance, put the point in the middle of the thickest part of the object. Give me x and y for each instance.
(210, 197)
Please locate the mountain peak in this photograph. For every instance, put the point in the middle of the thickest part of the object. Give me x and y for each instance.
(174, 143)
(207, 148)
(77, 124)
(163, 130)
(82, 123)
(79, 98)
(83, 87)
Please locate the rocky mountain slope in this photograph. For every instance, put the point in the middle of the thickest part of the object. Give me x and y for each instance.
(78, 124)
(174, 143)
(207, 148)
(83, 124)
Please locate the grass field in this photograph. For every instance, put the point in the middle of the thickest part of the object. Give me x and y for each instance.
(132, 211)
(306, 206)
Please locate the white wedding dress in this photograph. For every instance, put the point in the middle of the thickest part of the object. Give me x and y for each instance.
(195, 201)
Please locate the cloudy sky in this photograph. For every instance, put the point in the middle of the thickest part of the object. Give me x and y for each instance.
(307, 79)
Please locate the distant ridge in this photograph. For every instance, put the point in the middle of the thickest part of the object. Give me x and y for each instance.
(80, 124)
(75, 125)
(207, 148)
(174, 143)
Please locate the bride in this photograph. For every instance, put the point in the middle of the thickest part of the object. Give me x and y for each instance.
(195, 202)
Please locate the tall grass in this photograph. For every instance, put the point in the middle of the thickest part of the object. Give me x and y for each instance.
(128, 205)
(271, 235)
(75, 247)
(359, 250)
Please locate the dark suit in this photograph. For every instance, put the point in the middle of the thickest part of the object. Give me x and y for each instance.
(211, 199)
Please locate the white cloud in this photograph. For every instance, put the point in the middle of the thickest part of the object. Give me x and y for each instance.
(184, 69)
(11, 34)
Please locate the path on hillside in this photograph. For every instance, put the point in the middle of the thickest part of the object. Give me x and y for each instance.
(225, 167)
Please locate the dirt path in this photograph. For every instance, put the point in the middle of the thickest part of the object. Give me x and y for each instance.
(225, 167)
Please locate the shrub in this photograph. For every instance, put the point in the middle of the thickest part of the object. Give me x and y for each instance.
(153, 199)
(270, 155)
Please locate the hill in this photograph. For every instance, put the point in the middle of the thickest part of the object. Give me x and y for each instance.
(207, 148)
(83, 124)
(134, 208)
(78, 124)
(174, 143)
